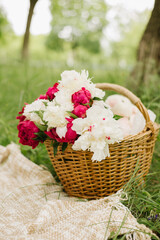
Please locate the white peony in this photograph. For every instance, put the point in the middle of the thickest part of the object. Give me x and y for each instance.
(99, 109)
(31, 110)
(61, 131)
(55, 115)
(97, 131)
(69, 76)
(63, 98)
(73, 81)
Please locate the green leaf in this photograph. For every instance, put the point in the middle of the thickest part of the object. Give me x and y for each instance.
(72, 115)
(36, 139)
(86, 104)
(64, 146)
(116, 117)
(90, 102)
(55, 146)
(45, 103)
(41, 136)
(40, 114)
(97, 99)
(41, 127)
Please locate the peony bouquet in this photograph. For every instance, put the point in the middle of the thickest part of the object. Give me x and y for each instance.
(71, 112)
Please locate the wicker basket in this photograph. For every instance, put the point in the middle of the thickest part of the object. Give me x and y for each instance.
(86, 179)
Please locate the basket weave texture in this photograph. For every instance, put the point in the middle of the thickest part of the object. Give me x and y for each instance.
(92, 180)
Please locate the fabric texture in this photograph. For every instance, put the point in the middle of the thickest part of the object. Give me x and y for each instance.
(34, 207)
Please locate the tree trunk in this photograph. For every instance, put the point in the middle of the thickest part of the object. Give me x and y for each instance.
(27, 31)
(148, 55)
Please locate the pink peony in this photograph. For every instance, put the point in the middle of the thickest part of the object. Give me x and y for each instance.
(80, 111)
(27, 130)
(51, 91)
(43, 97)
(83, 96)
(70, 134)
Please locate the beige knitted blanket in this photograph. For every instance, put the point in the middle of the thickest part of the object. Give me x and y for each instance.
(34, 207)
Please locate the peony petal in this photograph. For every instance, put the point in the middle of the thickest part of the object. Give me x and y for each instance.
(61, 131)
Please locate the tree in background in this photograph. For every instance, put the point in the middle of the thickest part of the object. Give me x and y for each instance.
(148, 55)
(27, 31)
(80, 23)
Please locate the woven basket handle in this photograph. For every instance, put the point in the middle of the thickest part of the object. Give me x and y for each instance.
(134, 99)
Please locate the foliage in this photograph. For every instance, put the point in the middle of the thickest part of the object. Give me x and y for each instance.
(4, 25)
(79, 23)
(144, 201)
(124, 48)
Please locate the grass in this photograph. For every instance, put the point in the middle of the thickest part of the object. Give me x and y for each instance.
(24, 82)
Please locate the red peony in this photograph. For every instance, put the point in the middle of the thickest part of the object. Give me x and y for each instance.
(22, 117)
(80, 111)
(52, 134)
(51, 91)
(70, 136)
(27, 130)
(83, 96)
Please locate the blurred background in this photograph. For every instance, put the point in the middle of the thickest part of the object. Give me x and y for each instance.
(117, 41)
(100, 35)
(96, 35)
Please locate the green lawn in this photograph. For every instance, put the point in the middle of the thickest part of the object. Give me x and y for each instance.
(22, 82)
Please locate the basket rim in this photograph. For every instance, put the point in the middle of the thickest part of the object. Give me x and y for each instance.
(145, 131)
